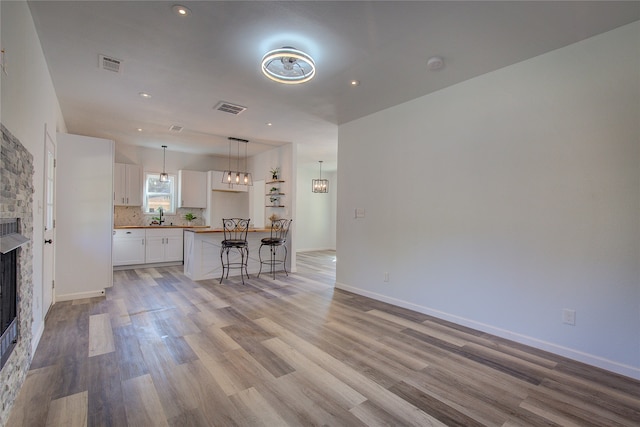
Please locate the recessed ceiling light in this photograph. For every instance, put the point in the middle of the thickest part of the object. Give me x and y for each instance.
(435, 63)
(269, 124)
(144, 95)
(139, 129)
(355, 83)
(180, 10)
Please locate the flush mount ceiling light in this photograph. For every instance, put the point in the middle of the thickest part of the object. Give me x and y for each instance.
(288, 65)
(320, 185)
(237, 177)
(164, 176)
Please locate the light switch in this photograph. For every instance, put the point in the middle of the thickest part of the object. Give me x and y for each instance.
(359, 212)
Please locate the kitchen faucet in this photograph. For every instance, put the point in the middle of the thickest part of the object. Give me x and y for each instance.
(161, 219)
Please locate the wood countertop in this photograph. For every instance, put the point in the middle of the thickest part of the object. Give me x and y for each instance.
(220, 230)
(121, 227)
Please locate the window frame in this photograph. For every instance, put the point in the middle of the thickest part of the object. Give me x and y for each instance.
(172, 194)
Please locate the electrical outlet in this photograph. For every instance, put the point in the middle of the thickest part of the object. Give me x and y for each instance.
(386, 276)
(569, 316)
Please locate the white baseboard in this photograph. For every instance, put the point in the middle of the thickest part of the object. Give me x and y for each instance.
(314, 250)
(150, 265)
(590, 359)
(35, 340)
(80, 295)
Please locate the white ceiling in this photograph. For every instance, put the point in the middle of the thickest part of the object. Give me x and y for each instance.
(189, 64)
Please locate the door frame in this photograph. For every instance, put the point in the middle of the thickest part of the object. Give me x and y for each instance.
(48, 223)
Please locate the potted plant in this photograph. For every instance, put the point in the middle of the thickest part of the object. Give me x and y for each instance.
(190, 217)
(275, 173)
(274, 190)
(274, 200)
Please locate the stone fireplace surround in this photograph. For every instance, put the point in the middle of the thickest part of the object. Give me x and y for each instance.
(16, 201)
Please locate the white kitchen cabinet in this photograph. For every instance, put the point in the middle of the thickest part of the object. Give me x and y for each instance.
(127, 185)
(192, 189)
(218, 185)
(163, 245)
(128, 246)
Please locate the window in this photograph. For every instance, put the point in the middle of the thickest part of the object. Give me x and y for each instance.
(159, 194)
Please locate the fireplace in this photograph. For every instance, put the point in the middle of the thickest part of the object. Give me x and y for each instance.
(16, 201)
(10, 242)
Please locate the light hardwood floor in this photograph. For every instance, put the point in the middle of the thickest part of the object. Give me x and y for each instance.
(160, 349)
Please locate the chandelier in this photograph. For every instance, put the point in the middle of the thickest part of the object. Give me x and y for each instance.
(320, 185)
(237, 177)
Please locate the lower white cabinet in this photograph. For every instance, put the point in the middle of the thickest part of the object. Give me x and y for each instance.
(164, 245)
(128, 246)
(133, 246)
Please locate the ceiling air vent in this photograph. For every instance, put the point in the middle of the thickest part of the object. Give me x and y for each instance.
(109, 64)
(228, 107)
(176, 128)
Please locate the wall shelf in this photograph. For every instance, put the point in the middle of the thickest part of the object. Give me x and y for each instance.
(274, 197)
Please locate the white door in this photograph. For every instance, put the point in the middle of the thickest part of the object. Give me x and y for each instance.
(48, 248)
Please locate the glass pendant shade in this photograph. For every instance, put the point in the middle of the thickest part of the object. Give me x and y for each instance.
(320, 185)
(164, 176)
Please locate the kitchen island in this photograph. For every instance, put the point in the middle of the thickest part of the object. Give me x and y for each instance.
(202, 253)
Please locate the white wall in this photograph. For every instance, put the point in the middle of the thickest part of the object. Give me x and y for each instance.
(84, 216)
(284, 157)
(28, 102)
(151, 159)
(316, 212)
(518, 196)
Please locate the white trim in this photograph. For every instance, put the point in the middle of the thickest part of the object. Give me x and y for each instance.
(79, 295)
(590, 359)
(35, 340)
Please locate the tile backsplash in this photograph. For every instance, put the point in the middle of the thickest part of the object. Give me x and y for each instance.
(133, 215)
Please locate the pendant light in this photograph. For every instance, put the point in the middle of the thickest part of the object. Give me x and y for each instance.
(320, 185)
(164, 176)
(237, 177)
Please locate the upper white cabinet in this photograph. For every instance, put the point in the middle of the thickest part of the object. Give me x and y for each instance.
(192, 189)
(218, 185)
(127, 185)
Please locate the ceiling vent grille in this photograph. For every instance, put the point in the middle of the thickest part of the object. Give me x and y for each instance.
(176, 128)
(230, 108)
(110, 64)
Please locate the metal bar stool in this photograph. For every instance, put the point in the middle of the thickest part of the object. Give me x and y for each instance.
(278, 238)
(235, 237)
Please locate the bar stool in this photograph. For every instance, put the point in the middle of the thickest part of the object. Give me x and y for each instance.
(278, 238)
(235, 237)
